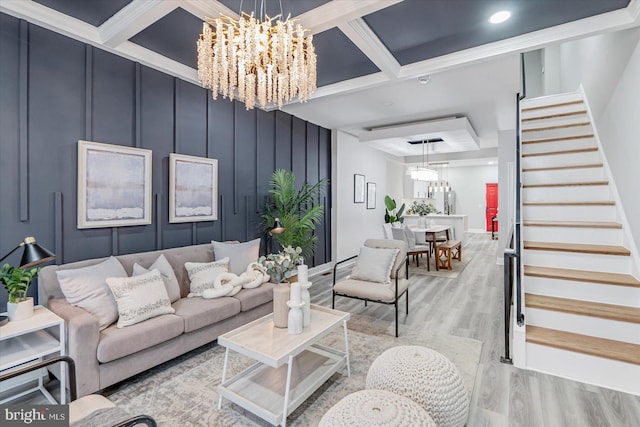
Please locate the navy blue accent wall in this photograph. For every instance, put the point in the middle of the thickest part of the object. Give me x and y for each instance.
(55, 91)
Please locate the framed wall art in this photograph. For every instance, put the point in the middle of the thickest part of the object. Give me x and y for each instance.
(193, 188)
(371, 195)
(358, 188)
(114, 185)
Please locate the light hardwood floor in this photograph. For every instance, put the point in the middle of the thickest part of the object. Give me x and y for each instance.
(471, 306)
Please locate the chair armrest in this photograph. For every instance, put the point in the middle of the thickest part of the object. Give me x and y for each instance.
(335, 267)
(405, 261)
(137, 420)
(83, 334)
(35, 366)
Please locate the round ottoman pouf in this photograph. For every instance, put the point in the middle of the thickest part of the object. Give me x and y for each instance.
(369, 408)
(426, 377)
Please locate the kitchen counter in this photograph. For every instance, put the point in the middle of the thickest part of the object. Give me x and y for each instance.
(459, 222)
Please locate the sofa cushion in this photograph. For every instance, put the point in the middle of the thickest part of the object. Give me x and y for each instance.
(87, 288)
(370, 290)
(116, 343)
(198, 312)
(203, 275)
(168, 275)
(251, 298)
(240, 254)
(140, 297)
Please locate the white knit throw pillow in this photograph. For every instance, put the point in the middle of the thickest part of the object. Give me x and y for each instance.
(202, 275)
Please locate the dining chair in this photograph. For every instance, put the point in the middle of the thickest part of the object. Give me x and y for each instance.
(405, 234)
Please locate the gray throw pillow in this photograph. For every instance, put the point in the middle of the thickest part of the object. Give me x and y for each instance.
(374, 264)
(87, 288)
(240, 254)
(170, 280)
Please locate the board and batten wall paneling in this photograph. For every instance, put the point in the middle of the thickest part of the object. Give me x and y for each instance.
(55, 91)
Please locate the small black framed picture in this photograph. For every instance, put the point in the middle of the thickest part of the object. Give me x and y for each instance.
(358, 188)
(371, 195)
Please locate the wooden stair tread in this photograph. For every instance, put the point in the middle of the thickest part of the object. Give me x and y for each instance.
(560, 104)
(556, 168)
(582, 276)
(566, 184)
(621, 313)
(578, 247)
(554, 153)
(555, 116)
(565, 126)
(573, 224)
(556, 139)
(601, 347)
(578, 203)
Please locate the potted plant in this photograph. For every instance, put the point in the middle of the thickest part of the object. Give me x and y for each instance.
(422, 208)
(298, 211)
(17, 281)
(281, 268)
(390, 213)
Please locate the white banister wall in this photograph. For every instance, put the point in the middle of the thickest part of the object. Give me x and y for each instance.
(353, 223)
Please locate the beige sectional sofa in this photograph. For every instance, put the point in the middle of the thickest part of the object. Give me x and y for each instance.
(106, 357)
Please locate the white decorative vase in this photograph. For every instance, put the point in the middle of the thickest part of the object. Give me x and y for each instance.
(306, 308)
(20, 310)
(280, 310)
(295, 318)
(422, 222)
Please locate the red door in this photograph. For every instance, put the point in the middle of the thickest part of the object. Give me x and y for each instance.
(492, 205)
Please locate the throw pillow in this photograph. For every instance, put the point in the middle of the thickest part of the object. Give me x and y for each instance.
(239, 254)
(202, 275)
(86, 288)
(140, 297)
(170, 280)
(374, 264)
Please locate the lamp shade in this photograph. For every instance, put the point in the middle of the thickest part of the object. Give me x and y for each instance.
(277, 227)
(34, 254)
(424, 174)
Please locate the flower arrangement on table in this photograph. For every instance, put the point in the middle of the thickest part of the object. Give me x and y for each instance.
(422, 208)
(284, 264)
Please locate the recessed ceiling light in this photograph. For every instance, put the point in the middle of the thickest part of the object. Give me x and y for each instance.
(499, 17)
(490, 163)
(424, 79)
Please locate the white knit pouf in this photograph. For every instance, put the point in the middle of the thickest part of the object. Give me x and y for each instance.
(426, 377)
(369, 408)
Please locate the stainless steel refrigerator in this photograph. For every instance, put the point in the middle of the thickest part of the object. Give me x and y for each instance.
(450, 202)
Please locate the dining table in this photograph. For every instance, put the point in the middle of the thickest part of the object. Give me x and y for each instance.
(430, 235)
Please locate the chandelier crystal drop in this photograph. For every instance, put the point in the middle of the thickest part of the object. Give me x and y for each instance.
(268, 62)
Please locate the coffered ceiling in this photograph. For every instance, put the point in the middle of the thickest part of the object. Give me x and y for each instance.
(370, 52)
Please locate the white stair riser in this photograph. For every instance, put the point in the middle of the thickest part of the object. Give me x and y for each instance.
(582, 130)
(566, 193)
(563, 175)
(555, 121)
(590, 236)
(579, 261)
(545, 147)
(570, 213)
(584, 325)
(596, 292)
(583, 367)
(551, 99)
(571, 159)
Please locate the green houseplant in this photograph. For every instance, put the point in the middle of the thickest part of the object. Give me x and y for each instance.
(422, 208)
(298, 211)
(17, 281)
(390, 213)
(283, 265)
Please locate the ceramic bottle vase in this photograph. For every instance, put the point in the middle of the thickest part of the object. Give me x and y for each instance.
(280, 309)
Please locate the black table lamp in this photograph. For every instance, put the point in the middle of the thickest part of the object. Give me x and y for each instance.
(33, 253)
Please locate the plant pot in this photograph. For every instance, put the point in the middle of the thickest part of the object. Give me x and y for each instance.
(280, 310)
(20, 310)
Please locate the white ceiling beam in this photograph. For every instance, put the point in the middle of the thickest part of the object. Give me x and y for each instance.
(351, 85)
(50, 19)
(208, 9)
(367, 41)
(133, 18)
(156, 61)
(337, 12)
(612, 21)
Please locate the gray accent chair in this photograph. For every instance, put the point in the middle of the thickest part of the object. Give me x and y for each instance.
(405, 234)
(383, 293)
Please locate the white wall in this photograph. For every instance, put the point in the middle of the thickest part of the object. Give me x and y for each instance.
(506, 187)
(596, 62)
(353, 222)
(469, 184)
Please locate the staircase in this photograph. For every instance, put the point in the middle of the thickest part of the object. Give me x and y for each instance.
(582, 303)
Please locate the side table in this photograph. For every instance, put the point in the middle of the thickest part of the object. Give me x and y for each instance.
(30, 340)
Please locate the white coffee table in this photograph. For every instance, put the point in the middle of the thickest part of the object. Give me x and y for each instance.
(268, 388)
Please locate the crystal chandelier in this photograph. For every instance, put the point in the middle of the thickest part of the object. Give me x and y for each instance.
(270, 61)
(423, 173)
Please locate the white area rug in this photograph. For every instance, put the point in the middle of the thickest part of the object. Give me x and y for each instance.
(183, 392)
